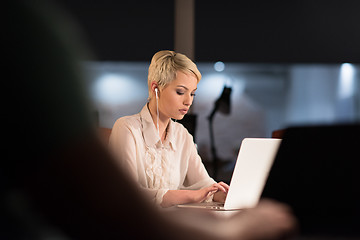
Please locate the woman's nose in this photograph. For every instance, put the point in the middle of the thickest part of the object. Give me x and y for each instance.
(188, 100)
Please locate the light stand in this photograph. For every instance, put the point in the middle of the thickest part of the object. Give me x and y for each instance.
(222, 105)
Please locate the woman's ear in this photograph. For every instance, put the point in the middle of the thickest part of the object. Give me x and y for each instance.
(155, 88)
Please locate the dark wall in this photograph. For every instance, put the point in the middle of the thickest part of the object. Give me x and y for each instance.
(124, 30)
(278, 31)
(324, 31)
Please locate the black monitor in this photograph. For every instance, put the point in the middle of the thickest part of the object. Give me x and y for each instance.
(316, 172)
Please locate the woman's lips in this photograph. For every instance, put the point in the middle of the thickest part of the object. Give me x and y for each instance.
(183, 111)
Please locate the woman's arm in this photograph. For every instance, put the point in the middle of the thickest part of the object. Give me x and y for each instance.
(197, 176)
(174, 197)
(122, 145)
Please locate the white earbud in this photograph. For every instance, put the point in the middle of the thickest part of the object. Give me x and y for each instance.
(157, 111)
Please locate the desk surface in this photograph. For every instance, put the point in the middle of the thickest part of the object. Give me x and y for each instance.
(217, 221)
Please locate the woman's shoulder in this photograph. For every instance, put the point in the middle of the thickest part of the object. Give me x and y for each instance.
(128, 121)
(180, 130)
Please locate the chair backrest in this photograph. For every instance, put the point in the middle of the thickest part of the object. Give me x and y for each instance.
(278, 133)
(104, 134)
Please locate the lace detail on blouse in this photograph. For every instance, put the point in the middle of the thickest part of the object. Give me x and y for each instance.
(156, 168)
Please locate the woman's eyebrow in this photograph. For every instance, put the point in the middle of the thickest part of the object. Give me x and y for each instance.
(185, 87)
(182, 86)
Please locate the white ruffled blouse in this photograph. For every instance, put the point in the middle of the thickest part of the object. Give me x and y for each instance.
(157, 167)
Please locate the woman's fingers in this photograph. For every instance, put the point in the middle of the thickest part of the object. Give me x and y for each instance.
(212, 192)
(224, 185)
(221, 186)
(213, 188)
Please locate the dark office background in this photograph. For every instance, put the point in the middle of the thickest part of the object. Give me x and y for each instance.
(288, 62)
(233, 31)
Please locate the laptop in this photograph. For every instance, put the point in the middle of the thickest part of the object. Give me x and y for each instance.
(252, 166)
(317, 173)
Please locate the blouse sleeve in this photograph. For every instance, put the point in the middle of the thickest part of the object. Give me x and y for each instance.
(197, 177)
(123, 145)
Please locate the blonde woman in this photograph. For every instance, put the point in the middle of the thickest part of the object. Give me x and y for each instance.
(159, 153)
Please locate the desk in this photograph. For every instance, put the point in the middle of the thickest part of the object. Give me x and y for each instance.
(221, 223)
(217, 223)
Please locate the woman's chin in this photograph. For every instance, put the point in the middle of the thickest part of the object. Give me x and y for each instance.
(180, 117)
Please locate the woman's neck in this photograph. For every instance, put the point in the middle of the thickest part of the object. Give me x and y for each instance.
(163, 121)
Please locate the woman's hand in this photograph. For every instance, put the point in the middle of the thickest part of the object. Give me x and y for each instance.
(202, 194)
(221, 194)
(219, 190)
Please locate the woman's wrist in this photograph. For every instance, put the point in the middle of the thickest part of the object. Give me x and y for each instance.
(174, 197)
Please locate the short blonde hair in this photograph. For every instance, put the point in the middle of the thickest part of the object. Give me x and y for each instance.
(164, 66)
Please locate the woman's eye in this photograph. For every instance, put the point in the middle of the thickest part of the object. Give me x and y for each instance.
(179, 92)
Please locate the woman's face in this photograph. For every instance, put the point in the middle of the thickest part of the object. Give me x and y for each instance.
(176, 97)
